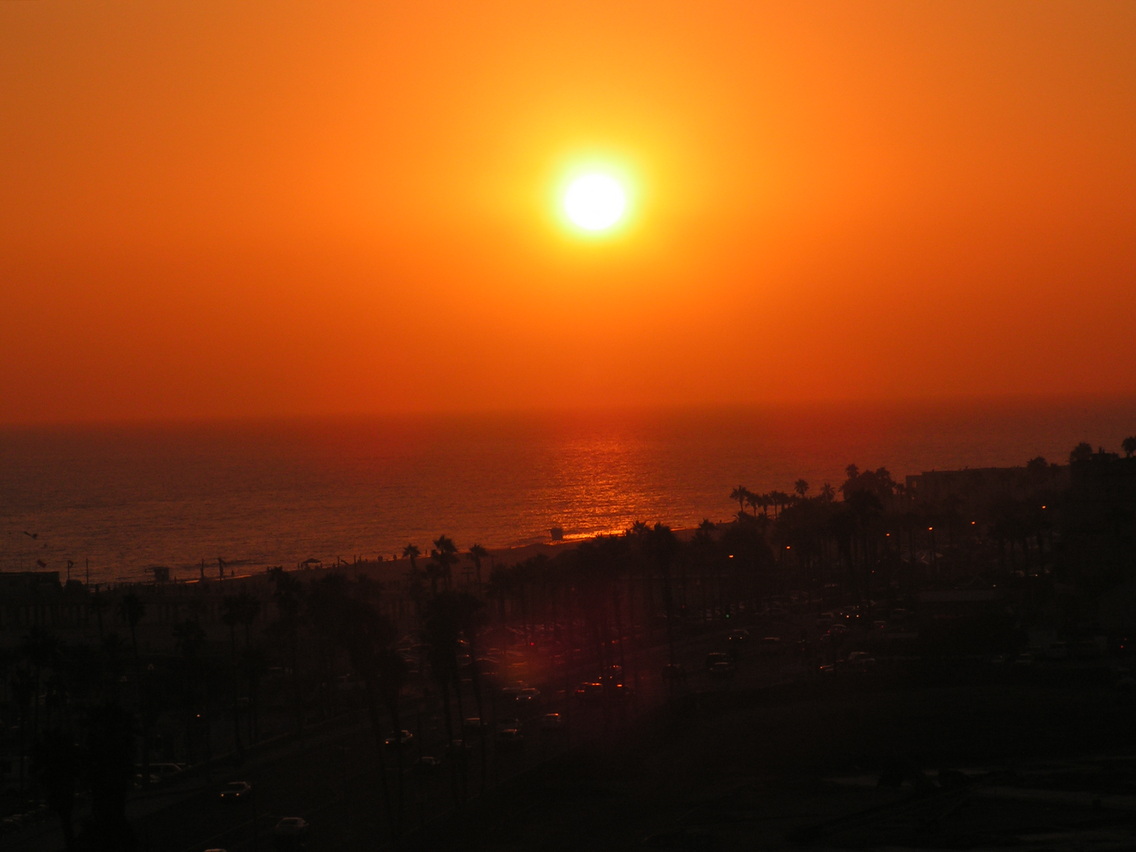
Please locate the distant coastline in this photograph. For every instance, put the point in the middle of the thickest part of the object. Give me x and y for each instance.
(123, 500)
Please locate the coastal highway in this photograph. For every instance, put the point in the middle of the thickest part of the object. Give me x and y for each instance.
(332, 778)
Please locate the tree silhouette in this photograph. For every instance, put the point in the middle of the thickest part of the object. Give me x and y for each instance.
(1081, 453)
(132, 610)
(241, 609)
(412, 553)
(56, 764)
(477, 553)
(1129, 446)
(755, 500)
(740, 494)
(442, 558)
(110, 733)
(289, 608)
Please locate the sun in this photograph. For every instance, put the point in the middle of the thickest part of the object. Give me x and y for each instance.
(595, 201)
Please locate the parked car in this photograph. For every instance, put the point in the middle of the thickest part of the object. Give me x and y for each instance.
(291, 827)
(427, 764)
(510, 739)
(235, 791)
(552, 722)
(473, 726)
(589, 690)
(399, 738)
(163, 771)
(719, 664)
(674, 672)
(527, 696)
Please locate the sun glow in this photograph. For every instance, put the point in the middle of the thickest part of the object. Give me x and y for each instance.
(594, 201)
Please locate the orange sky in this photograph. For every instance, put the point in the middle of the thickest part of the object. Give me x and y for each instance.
(234, 209)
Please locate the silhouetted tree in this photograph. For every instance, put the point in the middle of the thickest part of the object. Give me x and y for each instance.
(241, 609)
(56, 764)
(289, 609)
(132, 609)
(110, 733)
(741, 493)
(780, 500)
(412, 553)
(1082, 452)
(756, 500)
(343, 613)
(477, 553)
(1129, 446)
(442, 559)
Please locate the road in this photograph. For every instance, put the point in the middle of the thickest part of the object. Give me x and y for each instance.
(333, 777)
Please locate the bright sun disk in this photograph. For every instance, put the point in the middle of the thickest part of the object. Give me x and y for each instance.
(595, 201)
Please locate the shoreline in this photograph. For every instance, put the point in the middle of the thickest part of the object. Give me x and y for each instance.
(397, 568)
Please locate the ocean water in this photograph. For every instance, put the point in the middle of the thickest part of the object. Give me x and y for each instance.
(116, 501)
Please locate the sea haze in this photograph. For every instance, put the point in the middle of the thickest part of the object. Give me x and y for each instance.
(118, 500)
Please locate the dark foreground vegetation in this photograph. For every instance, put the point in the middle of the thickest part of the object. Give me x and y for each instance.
(961, 619)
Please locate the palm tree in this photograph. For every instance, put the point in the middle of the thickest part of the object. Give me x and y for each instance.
(754, 500)
(445, 554)
(289, 602)
(110, 734)
(779, 499)
(662, 547)
(56, 763)
(189, 638)
(477, 553)
(238, 609)
(1129, 446)
(132, 610)
(801, 487)
(764, 500)
(411, 552)
(742, 495)
(441, 631)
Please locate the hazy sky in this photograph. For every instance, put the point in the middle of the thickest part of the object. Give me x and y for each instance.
(218, 208)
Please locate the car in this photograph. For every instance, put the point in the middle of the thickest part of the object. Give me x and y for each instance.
(459, 750)
(771, 645)
(399, 738)
(526, 696)
(510, 739)
(163, 771)
(618, 691)
(473, 725)
(235, 791)
(426, 764)
(150, 780)
(589, 690)
(291, 827)
(552, 722)
(721, 668)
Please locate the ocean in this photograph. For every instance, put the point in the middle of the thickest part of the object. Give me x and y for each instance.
(117, 501)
